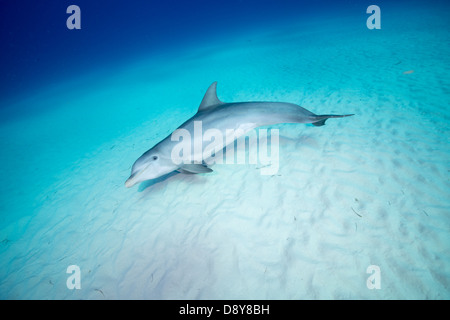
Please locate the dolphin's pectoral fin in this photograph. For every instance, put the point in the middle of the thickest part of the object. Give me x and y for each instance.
(194, 168)
(320, 123)
(180, 170)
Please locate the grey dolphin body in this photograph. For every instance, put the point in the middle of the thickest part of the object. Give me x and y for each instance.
(214, 114)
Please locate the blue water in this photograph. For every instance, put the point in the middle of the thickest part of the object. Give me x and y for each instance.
(77, 107)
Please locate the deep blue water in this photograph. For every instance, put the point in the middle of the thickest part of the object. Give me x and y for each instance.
(37, 48)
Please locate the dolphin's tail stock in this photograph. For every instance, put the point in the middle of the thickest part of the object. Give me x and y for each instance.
(324, 117)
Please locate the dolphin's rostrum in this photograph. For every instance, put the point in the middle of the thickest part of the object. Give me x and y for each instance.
(215, 114)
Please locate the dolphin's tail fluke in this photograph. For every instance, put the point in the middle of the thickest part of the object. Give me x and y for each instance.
(324, 117)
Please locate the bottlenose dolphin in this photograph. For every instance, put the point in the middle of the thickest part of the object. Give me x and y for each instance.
(215, 114)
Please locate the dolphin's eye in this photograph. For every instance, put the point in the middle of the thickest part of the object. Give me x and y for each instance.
(155, 157)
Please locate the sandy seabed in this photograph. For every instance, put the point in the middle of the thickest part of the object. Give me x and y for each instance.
(372, 189)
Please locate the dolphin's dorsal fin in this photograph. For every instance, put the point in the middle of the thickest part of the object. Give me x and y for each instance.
(210, 99)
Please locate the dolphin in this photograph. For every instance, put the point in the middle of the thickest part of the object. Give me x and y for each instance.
(215, 114)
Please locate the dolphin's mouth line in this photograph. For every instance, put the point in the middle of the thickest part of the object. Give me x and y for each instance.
(135, 176)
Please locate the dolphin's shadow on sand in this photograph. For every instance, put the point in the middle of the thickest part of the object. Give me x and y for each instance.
(149, 183)
(305, 139)
(158, 182)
